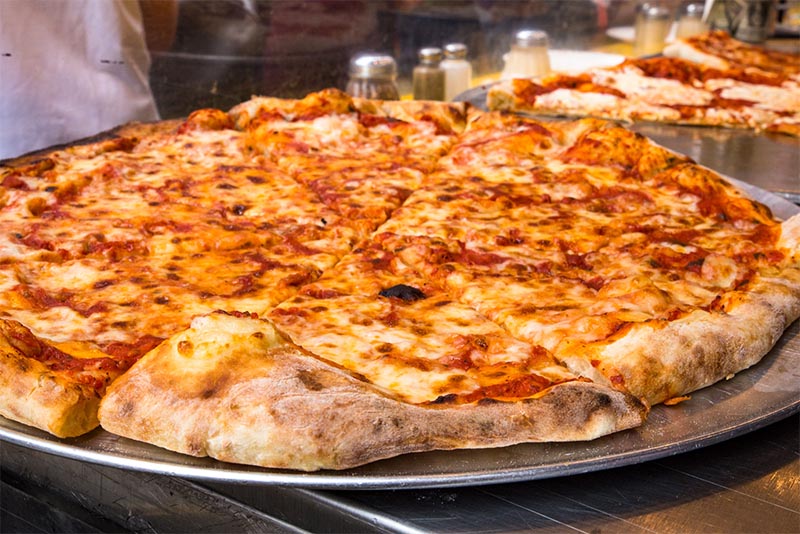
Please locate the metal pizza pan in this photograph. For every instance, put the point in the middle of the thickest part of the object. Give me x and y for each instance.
(756, 397)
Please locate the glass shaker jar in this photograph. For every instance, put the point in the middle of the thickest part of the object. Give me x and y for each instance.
(653, 23)
(528, 55)
(373, 76)
(428, 76)
(457, 70)
(690, 21)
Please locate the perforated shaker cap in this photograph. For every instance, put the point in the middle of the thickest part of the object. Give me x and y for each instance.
(654, 11)
(430, 54)
(455, 51)
(373, 66)
(529, 38)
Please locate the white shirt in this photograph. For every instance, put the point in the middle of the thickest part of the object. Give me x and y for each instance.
(70, 69)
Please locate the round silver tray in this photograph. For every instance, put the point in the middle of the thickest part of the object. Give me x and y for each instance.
(765, 393)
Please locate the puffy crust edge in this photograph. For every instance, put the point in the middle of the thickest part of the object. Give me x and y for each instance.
(657, 363)
(271, 404)
(684, 50)
(32, 394)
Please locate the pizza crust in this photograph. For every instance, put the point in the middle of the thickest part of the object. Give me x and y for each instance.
(32, 394)
(684, 50)
(658, 362)
(233, 388)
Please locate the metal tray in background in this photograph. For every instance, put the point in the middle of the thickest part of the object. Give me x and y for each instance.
(763, 394)
(769, 161)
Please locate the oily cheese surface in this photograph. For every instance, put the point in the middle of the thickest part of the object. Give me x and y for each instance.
(321, 283)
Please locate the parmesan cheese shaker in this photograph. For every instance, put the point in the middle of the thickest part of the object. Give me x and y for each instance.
(528, 55)
(373, 76)
(457, 70)
(653, 23)
(690, 21)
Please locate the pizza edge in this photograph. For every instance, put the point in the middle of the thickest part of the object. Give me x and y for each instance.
(36, 395)
(253, 397)
(661, 362)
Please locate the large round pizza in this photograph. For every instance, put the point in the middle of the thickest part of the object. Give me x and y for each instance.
(324, 282)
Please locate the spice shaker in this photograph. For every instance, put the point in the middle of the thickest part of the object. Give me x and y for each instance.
(752, 21)
(428, 76)
(373, 76)
(528, 55)
(457, 70)
(653, 23)
(690, 21)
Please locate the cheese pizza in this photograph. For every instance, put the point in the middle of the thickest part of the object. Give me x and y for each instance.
(707, 80)
(719, 50)
(325, 282)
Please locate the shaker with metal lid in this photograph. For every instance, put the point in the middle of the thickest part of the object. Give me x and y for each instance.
(528, 55)
(690, 21)
(653, 23)
(457, 70)
(428, 76)
(373, 76)
(752, 21)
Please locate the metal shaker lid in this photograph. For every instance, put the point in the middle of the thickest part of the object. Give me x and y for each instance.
(694, 9)
(530, 38)
(654, 11)
(455, 51)
(373, 66)
(430, 55)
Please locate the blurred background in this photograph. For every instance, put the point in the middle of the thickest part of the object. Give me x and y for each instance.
(224, 51)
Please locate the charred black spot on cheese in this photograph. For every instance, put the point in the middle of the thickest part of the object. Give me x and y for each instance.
(403, 292)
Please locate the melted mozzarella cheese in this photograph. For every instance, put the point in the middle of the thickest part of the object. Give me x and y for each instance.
(569, 100)
(765, 96)
(655, 91)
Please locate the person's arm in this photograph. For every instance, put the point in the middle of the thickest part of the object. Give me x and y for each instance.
(160, 19)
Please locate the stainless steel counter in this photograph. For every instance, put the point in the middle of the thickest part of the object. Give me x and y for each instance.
(747, 484)
(768, 161)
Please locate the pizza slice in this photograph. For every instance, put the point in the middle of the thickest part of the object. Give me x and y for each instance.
(719, 50)
(363, 158)
(110, 247)
(366, 363)
(662, 89)
(576, 253)
(57, 387)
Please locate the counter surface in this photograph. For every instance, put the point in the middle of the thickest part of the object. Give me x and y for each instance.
(747, 484)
